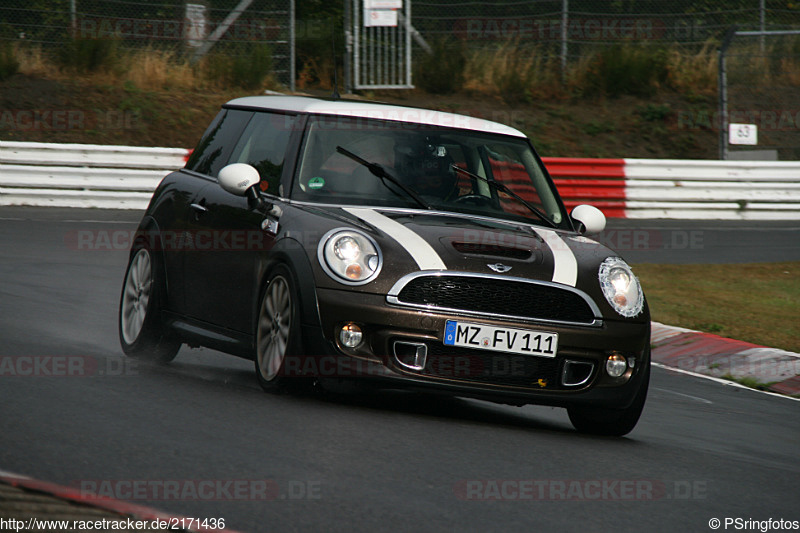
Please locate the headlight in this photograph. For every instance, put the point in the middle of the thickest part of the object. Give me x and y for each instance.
(349, 256)
(620, 287)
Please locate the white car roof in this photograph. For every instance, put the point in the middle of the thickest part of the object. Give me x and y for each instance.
(349, 108)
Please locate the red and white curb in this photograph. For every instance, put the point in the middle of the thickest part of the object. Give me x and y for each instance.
(711, 355)
(122, 508)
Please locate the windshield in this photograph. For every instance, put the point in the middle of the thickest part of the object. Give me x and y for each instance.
(421, 159)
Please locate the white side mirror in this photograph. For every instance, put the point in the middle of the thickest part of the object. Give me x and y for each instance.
(593, 220)
(238, 178)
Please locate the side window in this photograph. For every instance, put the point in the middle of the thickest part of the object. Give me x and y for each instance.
(263, 146)
(215, 147)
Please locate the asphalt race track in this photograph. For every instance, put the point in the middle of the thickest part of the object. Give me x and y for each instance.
(366, 461)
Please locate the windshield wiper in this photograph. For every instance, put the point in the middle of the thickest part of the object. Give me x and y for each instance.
(380, 172)
(500, 187)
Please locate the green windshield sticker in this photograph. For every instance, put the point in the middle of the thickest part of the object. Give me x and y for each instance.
(316, 183)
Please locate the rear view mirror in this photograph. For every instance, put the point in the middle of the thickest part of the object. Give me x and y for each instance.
(238, 178)
(592, 219)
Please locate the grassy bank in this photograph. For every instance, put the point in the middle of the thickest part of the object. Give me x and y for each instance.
(157, 98)
(619, 101)
(758, 303)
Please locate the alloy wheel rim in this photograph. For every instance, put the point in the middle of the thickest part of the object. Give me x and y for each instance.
(274, 325)
(138, 287)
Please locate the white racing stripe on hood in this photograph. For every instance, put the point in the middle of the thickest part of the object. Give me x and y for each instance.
(565, 269)
(422, 252)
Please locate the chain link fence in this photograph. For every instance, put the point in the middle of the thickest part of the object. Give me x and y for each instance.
(629, 39)
(192, 27)
(763, 99)
(763, 71)
(571, 27)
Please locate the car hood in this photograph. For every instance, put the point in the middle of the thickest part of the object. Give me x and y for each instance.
(415, 240)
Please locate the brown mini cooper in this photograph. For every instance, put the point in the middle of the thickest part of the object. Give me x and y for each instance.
(338, 239)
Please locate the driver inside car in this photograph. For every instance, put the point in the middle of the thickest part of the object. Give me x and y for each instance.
(426, 169)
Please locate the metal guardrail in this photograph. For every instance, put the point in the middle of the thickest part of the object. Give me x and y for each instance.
(123, 177)
(83, 175)
(697, 189)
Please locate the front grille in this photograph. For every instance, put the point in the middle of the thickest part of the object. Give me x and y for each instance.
(498, 297)
(495, 368)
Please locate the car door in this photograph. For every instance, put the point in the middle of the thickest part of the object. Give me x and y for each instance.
(176, 212)
(221, 274)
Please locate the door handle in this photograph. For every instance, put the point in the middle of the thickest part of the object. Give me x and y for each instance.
(199, 208)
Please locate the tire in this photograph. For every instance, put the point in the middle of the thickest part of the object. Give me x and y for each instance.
(611, 422)
(141, 332)
(278, 333)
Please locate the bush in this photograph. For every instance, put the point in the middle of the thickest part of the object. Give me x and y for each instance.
(654, 112)
(249, 70)
(8, 60)
(441, 72)
(515, 74)
(627, 69)
(91, 55)
(242, 66)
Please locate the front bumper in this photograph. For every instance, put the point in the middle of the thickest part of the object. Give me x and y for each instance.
(390, 332)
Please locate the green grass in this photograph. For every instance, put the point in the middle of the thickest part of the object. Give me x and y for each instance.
(750, 382)
(758, 302)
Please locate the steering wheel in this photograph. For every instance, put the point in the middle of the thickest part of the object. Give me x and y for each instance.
(476, 199)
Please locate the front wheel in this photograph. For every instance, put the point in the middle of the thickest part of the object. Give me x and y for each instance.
(278, 333)
(611, 422)
(141, 333)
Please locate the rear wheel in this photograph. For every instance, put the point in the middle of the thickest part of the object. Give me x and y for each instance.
(141, 332)
(278, 332)
(611, 422)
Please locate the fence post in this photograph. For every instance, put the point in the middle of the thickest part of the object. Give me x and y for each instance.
(73, 19)
(722, 82)
(348, 48)
(292, 52)
(564, 23)
(762, 19)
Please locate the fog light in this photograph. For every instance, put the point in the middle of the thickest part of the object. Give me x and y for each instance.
(616, 365)
(351, 335)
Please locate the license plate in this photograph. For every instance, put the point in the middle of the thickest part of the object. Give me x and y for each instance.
(511, 340)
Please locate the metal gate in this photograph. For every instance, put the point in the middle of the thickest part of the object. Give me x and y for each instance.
(379, 44)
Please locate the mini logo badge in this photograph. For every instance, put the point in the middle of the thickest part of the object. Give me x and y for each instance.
(499, 268)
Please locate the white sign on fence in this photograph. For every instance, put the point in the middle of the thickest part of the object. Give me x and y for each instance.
(196, 25)
(383, 4)
(380, 17)
(743, 134)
